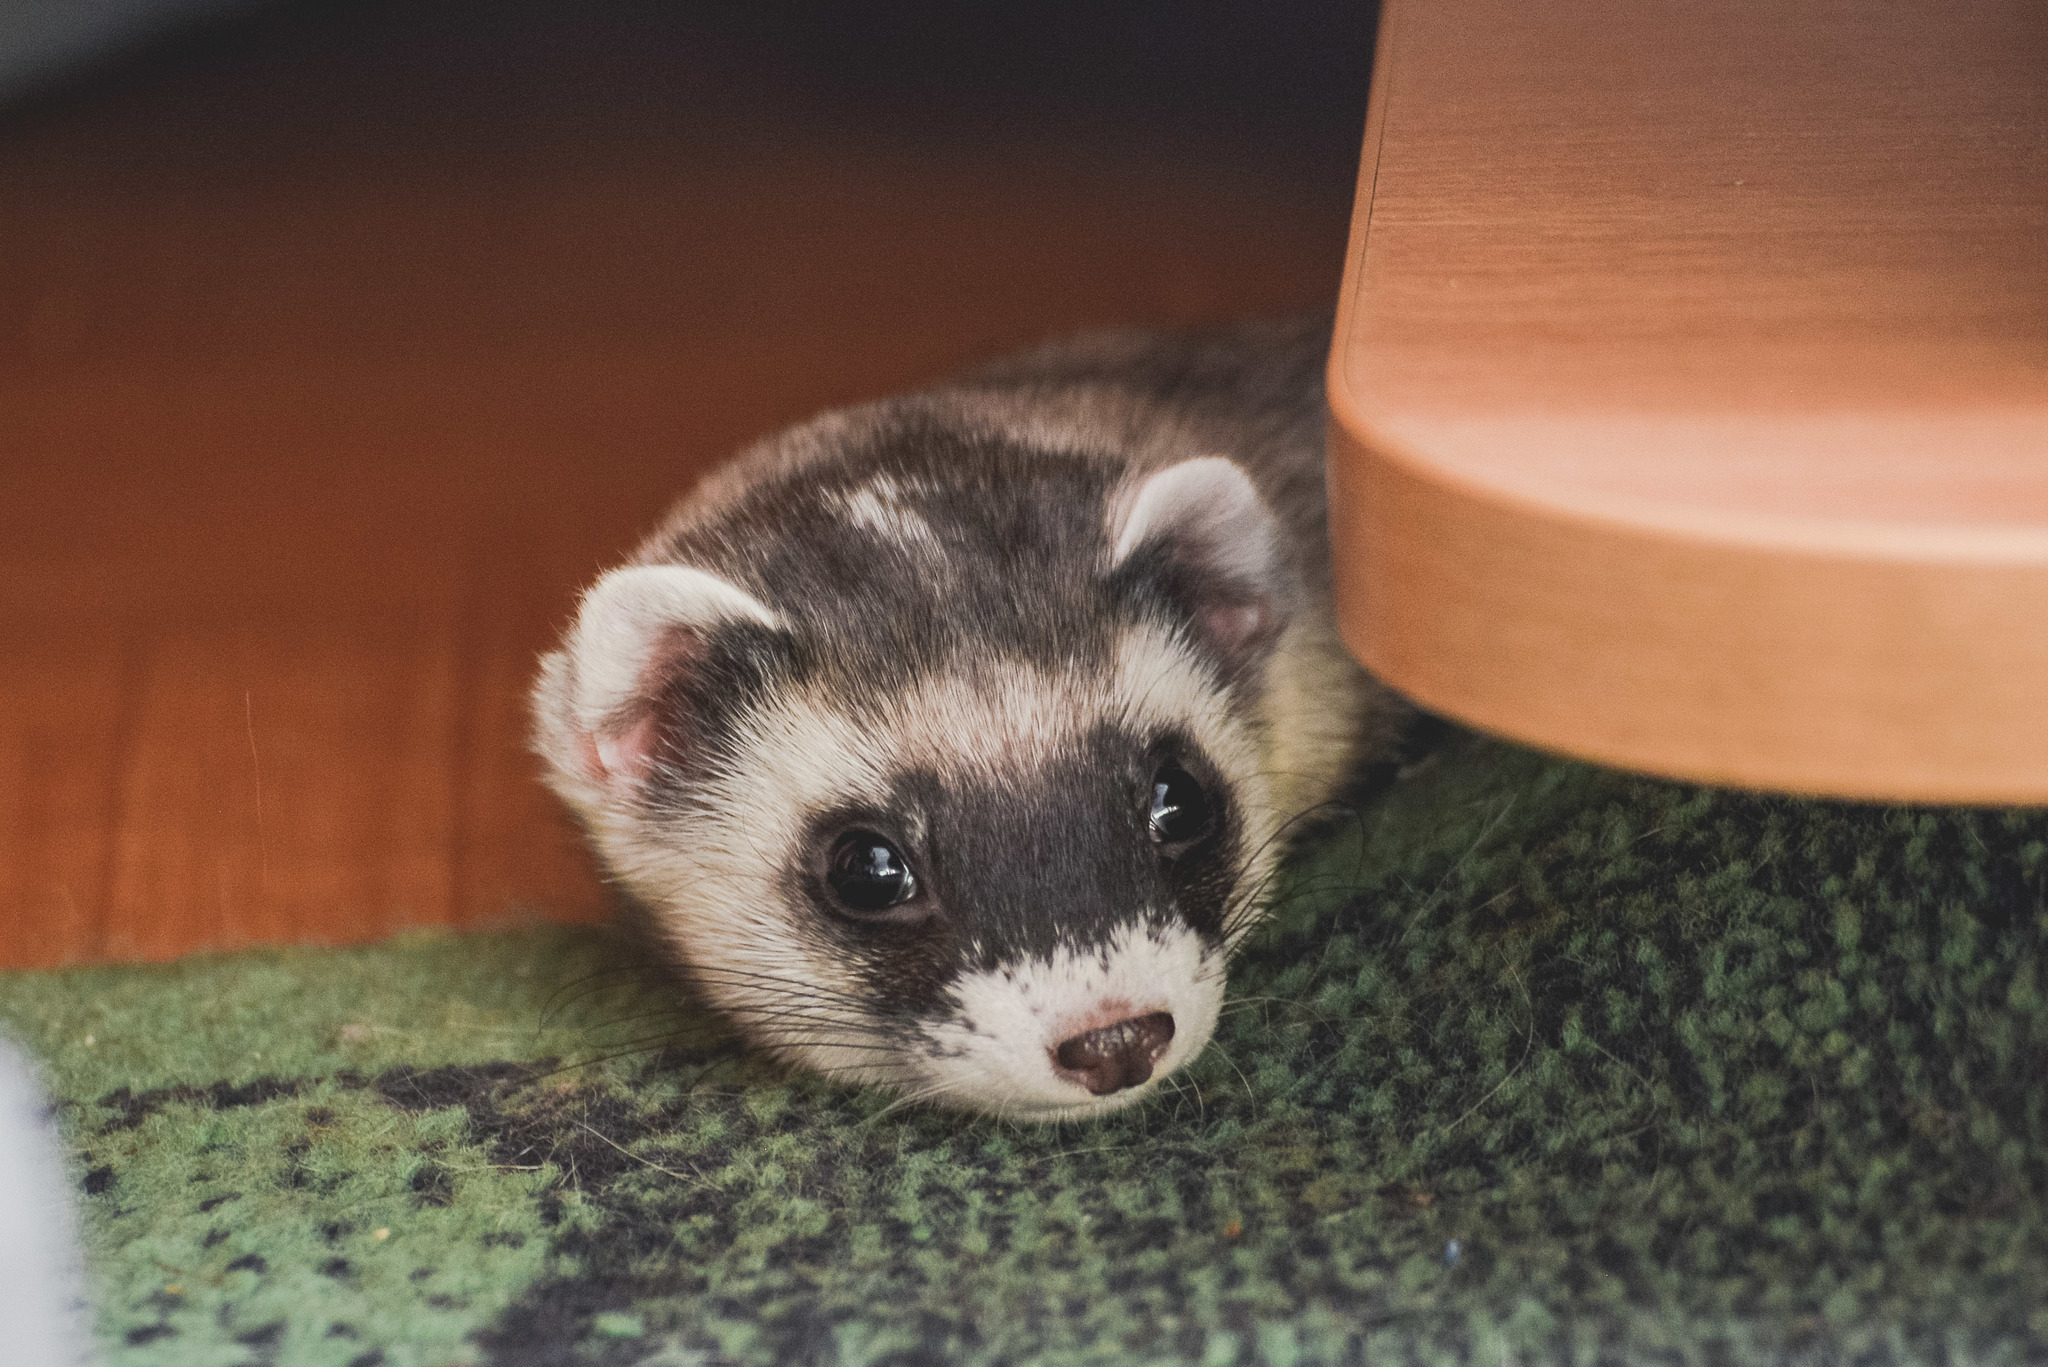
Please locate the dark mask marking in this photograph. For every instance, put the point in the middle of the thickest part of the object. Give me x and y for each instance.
(1056, 857)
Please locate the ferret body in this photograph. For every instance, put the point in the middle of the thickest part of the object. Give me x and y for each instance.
(949, 742)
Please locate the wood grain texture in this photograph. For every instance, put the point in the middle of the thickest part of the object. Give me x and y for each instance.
(1691, 386)
(323, 390)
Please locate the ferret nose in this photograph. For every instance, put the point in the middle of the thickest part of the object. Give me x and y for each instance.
(1118, 1055)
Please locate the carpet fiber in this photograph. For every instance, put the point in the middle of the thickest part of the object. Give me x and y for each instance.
(1536, 1061)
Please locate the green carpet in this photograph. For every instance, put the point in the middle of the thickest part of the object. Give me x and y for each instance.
(1538, 1063)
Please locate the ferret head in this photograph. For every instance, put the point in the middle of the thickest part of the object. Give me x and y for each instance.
(943, 775)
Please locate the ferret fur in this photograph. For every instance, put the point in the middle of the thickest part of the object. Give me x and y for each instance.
(976, 617)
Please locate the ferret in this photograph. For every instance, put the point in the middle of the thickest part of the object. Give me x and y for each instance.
(949, 742)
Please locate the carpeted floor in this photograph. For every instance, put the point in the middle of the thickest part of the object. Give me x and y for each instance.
(1538, 1063)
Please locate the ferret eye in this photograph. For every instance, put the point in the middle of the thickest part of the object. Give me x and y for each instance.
(868, 874)
(1180, 809)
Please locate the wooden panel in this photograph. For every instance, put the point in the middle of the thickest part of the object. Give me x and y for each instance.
(281, 777)
(1691, 386)
(319, 401)
(67, 709)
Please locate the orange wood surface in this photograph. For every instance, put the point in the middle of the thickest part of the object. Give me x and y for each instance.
(322, 392)
(1691, 386)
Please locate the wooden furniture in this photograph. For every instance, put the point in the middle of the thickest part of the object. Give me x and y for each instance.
(1691, 386)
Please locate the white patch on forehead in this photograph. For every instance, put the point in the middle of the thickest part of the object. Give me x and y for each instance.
(808, 752)
(995, 1052)
(994, 717)
(881, 506)
(1005, 717)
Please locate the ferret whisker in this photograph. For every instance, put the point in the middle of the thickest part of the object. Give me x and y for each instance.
(779, 994)
(791, 1017)
(860, 1072)
(764, 1003)
(734, 974)
(1290, 827)
(1299, 1007)
(592, 984)
(1321, 888)
(774, 1041)
(812, 1014)
(1285, 830)
(827, 1041)
(677, 1014)
(1224, 1053)
(570, 993)
(805, 1033)
(790, 1014)
(907, 1100)
(819, 1032)
(569, 1013)
(750, 998)
(1250, 906)
(812, 1011)
(648, 1041)
(775, 998)
(631, 1049)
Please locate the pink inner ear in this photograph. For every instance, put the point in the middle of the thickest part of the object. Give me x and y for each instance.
(1237, 629)
(624, 754)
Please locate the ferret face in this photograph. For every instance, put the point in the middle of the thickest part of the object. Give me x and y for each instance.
(1003, 888)
(1004, 874)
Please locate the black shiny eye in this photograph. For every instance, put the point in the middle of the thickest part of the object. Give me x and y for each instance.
(1180, 809)
(868, 874)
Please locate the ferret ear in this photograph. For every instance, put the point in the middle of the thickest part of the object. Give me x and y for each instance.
(1202, 534)
(638, 629)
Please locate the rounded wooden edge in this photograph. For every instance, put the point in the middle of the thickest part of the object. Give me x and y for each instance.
(1723, 661)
